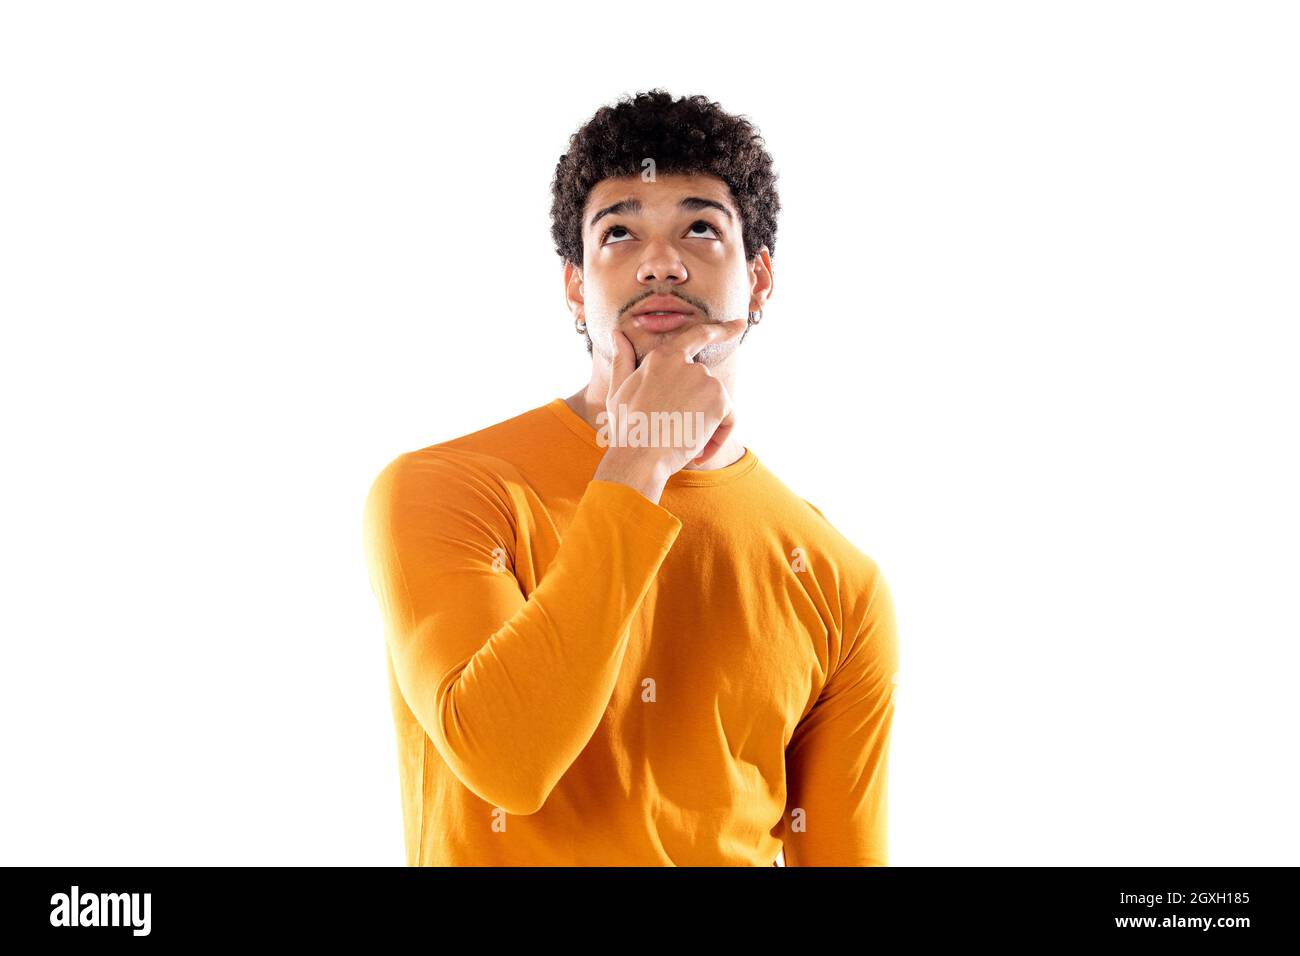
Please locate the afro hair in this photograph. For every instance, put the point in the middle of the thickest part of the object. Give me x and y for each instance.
(688, 135)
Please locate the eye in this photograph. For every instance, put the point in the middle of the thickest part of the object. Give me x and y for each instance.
(706, 225)
(608, 234)
(605, 236)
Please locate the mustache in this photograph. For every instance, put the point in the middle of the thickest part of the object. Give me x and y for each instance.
(690, 300)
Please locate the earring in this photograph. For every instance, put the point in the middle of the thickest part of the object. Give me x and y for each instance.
(580, 326)
(756, 317)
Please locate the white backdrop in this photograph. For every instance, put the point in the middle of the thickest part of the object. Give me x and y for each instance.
(1032, 347)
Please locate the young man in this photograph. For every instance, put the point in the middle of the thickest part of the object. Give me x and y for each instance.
(608, 648)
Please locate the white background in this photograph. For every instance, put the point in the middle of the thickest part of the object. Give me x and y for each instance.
(1032, 346)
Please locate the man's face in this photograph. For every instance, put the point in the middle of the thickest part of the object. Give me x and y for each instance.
(678, 236)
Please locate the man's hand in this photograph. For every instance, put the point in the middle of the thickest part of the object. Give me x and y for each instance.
(669, 380)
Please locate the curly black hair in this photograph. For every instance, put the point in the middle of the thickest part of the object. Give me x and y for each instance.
(688, 135)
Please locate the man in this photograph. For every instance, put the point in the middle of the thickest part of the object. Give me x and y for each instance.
(607, 649)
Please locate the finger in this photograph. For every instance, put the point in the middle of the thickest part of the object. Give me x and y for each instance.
(697, 336)
(711, 448)
(624, 361)
(719, 439)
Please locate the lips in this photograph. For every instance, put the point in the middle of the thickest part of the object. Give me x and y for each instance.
(676, 313)
(662, 323)
(663, 303)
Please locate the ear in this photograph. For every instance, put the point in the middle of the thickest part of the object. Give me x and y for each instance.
(761, 279)
(573, 291)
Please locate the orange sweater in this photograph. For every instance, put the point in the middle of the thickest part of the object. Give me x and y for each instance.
(580, 676)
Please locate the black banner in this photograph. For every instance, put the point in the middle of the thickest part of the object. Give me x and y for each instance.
(1229, 906)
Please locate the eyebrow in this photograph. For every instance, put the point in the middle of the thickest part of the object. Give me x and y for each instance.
(632, 207)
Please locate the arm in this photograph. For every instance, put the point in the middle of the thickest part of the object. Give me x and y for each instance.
(509, 689)
(837, 759)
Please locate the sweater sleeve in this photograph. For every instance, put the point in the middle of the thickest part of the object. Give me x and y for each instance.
(509, 689)
(837, 759)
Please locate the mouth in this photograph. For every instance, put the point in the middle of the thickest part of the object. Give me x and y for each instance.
(662, 313)
(664, 321)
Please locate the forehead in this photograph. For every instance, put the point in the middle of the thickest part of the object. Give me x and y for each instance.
(663, 192)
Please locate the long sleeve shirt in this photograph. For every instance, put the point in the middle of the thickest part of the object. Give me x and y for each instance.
(581, 676)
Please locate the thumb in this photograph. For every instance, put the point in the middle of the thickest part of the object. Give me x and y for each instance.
(623, 363)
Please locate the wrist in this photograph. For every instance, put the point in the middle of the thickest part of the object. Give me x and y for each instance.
(635, 468)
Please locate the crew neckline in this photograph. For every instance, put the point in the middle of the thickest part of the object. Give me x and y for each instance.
(686, 476)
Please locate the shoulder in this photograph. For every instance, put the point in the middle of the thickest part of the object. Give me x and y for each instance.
(862, 587)
(857, 565)
(442, 478)
(845, 565)
(506, 455)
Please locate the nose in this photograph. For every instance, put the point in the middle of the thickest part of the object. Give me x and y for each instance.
(661, 263)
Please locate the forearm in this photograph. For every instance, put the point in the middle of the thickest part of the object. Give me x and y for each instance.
(512, 718)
